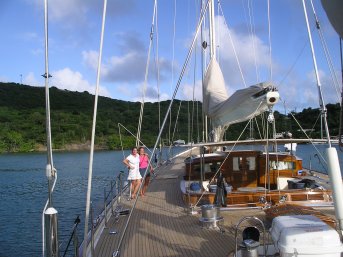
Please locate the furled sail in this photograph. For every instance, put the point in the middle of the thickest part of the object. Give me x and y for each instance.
(243, 105)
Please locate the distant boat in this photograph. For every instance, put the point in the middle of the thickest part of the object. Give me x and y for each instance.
(179, 142)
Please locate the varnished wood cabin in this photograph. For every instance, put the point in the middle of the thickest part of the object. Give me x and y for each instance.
(246, 168)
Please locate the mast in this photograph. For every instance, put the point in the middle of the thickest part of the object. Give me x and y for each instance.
(334, 170)
(319, 85)
(212, 30)
(217, 131)
(49, 218)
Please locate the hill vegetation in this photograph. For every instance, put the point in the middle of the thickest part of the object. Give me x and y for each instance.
(22, 120)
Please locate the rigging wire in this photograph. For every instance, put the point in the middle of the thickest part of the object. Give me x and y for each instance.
(164, 121)
(176, 120)
(303, 130)
(270, 43)
(252, 35)
(327, 53)
(266, 171)
(258, 128)
(221, 165)
(315, 123)
(158, 79)
(146, 74)
(204, 65)
(121, 141)
(233, 46)
(319, 87)
(173, 60)
(295, 62)
(193, 95)
(90, 171)
(139, 141)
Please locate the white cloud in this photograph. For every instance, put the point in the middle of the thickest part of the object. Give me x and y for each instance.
(302, 92)
(130, 65)
(250, 56)
(151, 94)
(126, 68)
(74, 81)
(65, 9)
(90, 59)
(124, 89)
(187, 91)
(31, 80)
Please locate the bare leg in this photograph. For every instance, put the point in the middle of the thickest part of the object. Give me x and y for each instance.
(133, 194)
(136, 187)
(146, 183)
(130, 187)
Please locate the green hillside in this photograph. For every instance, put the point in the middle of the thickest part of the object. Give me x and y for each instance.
(22, 120)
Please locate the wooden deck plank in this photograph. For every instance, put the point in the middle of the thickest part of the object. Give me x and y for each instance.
(161, 226)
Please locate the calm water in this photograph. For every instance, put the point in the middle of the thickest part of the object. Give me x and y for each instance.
(23, 193)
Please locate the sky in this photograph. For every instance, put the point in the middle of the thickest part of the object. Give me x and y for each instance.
(74, 41)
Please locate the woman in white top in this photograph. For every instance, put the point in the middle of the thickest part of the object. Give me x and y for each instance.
(132, 162)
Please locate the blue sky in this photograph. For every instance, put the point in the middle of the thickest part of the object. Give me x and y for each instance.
(74, 35)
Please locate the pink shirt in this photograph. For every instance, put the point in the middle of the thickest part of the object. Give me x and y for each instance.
(143, 161)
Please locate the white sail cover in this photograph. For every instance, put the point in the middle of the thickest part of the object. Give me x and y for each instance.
(334, 11)
(243, 105)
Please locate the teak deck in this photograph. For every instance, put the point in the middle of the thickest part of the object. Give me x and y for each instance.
(161, 226)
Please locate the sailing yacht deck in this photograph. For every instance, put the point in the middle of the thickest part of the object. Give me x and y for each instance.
(161, 226)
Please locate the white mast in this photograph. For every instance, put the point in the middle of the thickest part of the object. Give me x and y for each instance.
(212, 30)
(334, 170)
(218, 131)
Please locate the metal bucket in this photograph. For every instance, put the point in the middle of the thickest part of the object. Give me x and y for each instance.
(210, 211)
(249, 248)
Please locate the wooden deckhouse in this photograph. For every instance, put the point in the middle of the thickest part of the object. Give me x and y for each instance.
(250, 181)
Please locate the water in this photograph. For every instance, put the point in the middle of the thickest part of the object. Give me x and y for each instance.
(23, 193)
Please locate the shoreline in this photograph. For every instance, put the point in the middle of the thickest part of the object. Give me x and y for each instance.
(67, 148)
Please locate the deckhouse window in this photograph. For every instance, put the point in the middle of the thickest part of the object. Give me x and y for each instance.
(237, 163)
(208, 167)
(281, 165)
(251, 163)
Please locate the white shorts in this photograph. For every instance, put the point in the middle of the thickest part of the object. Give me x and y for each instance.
(134, 174)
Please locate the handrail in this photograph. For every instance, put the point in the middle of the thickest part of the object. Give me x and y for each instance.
(116, 189)
(76, 223)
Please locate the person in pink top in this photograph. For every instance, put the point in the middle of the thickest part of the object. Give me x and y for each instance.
(143, 165)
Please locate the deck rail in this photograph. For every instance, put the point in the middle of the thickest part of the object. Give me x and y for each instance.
(112, 197)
